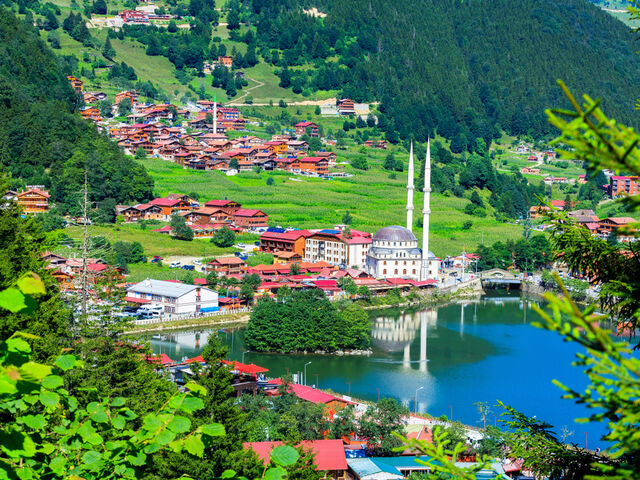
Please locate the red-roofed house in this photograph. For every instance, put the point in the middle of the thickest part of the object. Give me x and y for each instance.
(226, 266)
(309, 128)
(621, 185)
(170, 206)
(292, 241)
(328, 455)
(33, 200)
(227, 206)
(336, 248)
(317, 165)
(613, 224)
(249, 218)
(313, 395)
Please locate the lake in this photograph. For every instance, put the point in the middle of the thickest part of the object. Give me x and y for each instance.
(452, 356)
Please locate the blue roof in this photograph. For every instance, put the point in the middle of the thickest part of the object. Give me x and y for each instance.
(330, 232)
(368, 466)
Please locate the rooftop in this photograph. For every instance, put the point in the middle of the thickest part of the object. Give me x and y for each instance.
(162, 287)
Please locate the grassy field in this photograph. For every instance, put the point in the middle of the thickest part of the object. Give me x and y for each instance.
(153, 243)
(142, 271)
(372, 198)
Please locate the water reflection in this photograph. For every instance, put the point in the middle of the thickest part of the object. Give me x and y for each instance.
(459, 354)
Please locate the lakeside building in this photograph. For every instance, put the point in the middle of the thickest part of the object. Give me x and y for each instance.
(338, 247)
(394, 250)
(174, 297)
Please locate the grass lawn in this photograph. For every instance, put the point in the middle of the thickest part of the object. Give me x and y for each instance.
(373, 199)
(153, 243)
(142, 271)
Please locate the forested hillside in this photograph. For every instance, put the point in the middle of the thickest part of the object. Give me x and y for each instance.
(467, 69)
(43, 140)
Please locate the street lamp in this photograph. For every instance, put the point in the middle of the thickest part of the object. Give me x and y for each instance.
(349, 391)
(415, 403)
(305, 372)
(378, 393)
(451, 417)
(317, 381)
(495, 420)
(246, 351)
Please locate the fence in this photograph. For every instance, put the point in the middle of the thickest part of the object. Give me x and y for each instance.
(172, 317)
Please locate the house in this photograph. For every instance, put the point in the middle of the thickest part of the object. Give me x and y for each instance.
(76, 83)
(316, 165)
(134, 16)
(142, 211)
(338, 247)
(286, 257)
(345, 106)
(291, 241)
(178, 298)
(582, 179)
(170, 206)
(227, 206)
(583, 216)
(331, 403)
(207, 215)
(101, 272)
(330, 156)
(132, 96)
(530, 171)
(91, 113)
(610, 225)
(623, 185)
(225, 61)
(250, 219)
(309, 128)
(328, 455)
(551, 180)
(380, 144)
(34, 199)
(226, 266)
(65, 280)
(53, 260)
(279, 147)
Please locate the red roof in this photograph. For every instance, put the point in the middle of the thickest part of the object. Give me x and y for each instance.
(164, 202)
(249, 368)
(313, 159)
(305, 124)
(199, 281)
(227, 261)
(136, 300)
(97, 267)
(328, 454)
(247, 212)
(309, 394)
(162, 359)
(557, 203)
(291, 235)
(218, 203)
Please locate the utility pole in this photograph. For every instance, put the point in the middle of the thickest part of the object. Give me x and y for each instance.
(84, 248)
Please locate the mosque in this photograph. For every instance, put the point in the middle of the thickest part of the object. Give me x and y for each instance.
(394, 250)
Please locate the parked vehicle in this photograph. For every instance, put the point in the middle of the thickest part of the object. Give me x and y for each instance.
(197, 262)
(150, 311)
(174, 265)
(188, 267)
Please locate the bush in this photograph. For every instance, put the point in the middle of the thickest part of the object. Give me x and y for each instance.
(224, 237)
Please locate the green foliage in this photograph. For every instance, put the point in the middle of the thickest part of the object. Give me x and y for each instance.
(360, 163)
(42, 140)
(180, 229)
(305, 320)
(224, 237)
(382, 424)
(46, 432)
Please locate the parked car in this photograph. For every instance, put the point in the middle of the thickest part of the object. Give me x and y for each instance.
(174, 265)
(197, 262)
(188, 267)
(150, 311)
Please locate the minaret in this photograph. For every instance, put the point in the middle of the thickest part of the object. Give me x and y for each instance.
(410, 191)
(215, 115)
(424, 269)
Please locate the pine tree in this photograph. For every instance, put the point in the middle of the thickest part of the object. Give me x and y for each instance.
(107, 50)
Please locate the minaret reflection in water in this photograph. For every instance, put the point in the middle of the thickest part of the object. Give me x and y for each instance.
(395, 335)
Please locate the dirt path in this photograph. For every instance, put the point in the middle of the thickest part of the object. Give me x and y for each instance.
(247, 91)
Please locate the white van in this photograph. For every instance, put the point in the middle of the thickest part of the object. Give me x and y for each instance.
(150, 311)
(174, 265)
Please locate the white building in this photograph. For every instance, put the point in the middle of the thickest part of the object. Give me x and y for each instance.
(178, 298)
(338, 247)
(394, 250)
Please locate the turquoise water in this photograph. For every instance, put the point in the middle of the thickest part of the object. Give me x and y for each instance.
(459, 354)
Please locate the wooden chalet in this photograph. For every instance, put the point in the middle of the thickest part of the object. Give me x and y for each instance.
(226, 266)
(307, 127)
(33, 200)
(250, 218)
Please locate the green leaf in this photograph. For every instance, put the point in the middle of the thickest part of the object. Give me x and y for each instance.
(164, 437)
(152, 422)
(12, 299)
(196, 388)
(228, 474)
(118, 422)
(98, 413)
(138, 460)
(284, 455)
(33, 371)
(49, 399)
(18, 345)
(91, 458)
(191, 404)
(193, 444)
(276, 473)
(58, 465)
(31, 284)
(117, 402)
(212, 429)
(179, 424)
(36, 422)
(52, 382)
(17, 444)
(65, 362)
(7, 386)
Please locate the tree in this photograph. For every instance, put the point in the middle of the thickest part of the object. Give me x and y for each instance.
(100, 7)
(347, 219)
(212, 279)
(107, 50)
(124, 107)
(51, 22)
(179, 228)
(315, 144)
(233, 164)
(270, 181)
(360, 163)
(476, 200)
(389, 162)
(224, 237)
(141, 154)
(378, 424)
(172, 27)
(365, 293)
(233, 19)
(294, 269)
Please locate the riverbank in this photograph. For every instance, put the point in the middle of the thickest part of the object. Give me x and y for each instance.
(227, 320)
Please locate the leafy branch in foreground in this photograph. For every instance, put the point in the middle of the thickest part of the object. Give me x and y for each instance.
(614, 387)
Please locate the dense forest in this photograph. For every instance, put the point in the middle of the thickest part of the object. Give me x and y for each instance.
(466, 69)
(44, 141)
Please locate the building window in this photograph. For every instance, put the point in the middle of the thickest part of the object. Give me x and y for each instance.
(395, 272)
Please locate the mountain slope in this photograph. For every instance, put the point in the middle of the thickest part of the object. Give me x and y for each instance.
(469, 68)
(43, 140)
